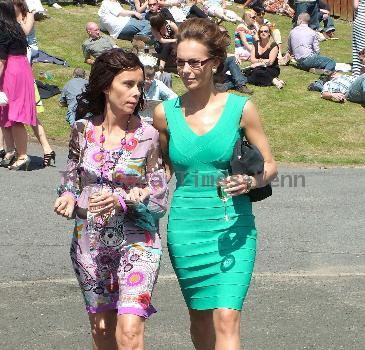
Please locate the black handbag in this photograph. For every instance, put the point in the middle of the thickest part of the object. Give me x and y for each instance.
(247, 159)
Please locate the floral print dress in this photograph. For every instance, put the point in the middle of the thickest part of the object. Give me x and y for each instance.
(116, 261)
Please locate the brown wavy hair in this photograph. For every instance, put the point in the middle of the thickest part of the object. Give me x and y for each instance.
(105, 68)
(208, 34)
(22, 6)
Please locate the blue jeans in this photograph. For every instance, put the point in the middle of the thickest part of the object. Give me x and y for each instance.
(317, 61)
(328, 24)
(357, 90)
(236, 79)
(135, 26)
(312, 8)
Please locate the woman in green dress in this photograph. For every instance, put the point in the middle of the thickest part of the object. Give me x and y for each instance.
(212, 242)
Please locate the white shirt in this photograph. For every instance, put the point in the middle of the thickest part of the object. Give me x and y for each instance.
(109, 20)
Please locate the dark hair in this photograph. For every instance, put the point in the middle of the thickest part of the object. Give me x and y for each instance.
(8, 20)
(259, 10)
(22, 6)
(106, 67)
(157, 21)
(208, 34)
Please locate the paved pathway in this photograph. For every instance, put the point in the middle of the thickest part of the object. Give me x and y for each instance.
(308, 291)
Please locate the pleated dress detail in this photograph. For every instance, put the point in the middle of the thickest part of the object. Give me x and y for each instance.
(212, 258)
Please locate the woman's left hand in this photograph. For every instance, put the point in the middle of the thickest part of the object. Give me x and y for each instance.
(239, 184)
(137, 194)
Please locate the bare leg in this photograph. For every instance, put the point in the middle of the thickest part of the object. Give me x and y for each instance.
(103, 325)
(227, 329)
(202, 329)
(1, 139)
(20, 138)
(130, 332)
(41, 136)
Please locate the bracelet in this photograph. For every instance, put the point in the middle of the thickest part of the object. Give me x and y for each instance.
(122, 203)
(249, 181)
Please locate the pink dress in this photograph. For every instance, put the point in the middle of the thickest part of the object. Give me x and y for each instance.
(17, 82)
(116, 262)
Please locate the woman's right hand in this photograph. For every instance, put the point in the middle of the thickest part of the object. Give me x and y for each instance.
(65, 206)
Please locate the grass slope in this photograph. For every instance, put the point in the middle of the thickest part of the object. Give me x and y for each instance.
(301, 127)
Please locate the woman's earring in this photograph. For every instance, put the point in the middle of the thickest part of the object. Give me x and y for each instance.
(214, 70)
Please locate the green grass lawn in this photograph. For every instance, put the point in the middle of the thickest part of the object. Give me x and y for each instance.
(302, 127)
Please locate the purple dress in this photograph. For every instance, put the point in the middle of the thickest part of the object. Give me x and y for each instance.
(116, 262)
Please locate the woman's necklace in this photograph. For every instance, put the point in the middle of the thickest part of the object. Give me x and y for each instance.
(123, 141)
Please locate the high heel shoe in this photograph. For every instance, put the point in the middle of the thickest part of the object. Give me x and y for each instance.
(2, 153)
(20, 164)
(8, 159)
(47, 158)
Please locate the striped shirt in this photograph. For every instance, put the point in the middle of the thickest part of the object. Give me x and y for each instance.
(358, 38)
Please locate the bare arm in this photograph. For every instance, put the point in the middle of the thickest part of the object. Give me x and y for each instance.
(2, 62)
(255, 135)
(124, 13)
(253, 58)
(356, 4)
(27, 23)
(160, 123)
(141, 7)
(334, 96)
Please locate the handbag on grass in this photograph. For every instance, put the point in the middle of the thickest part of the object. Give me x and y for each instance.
(247, 159)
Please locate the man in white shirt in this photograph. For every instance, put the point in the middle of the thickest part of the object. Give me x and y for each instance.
(121, 23)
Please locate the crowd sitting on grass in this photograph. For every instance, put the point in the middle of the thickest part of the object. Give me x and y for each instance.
(155, 23)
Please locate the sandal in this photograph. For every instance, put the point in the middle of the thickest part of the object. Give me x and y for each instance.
(20, 164)
(47, 158)
(9, 159)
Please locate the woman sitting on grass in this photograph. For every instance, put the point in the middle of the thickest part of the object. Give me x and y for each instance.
(245, 35)
(264, 58)
(164, 31)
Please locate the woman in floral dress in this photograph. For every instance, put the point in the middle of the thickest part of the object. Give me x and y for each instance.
(115, 183)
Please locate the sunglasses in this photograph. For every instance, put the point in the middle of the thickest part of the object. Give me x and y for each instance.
(253, 17)
(193, 64)
(264, 31)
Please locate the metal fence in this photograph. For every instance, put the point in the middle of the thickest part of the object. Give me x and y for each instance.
(342, 8)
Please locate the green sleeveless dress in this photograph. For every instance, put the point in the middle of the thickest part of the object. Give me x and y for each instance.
(212, 258)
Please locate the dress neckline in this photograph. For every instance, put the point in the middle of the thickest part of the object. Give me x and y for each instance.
(214, 127)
